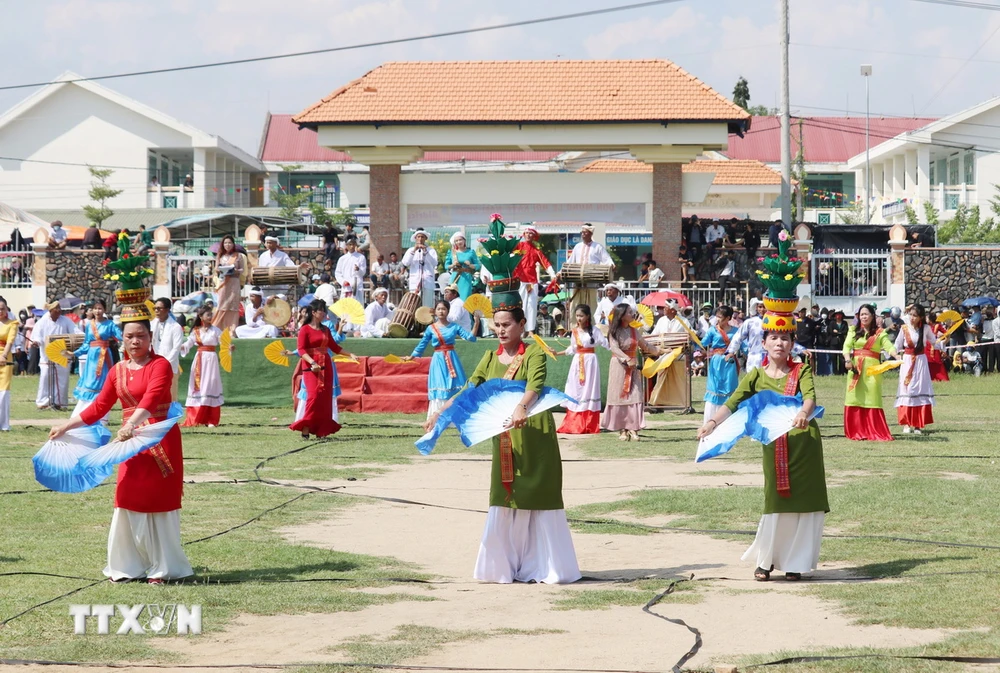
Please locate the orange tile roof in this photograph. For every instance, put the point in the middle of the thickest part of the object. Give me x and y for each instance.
(732, 172)
(523, 91)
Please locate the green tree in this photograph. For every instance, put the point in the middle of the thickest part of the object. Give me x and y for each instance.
(287, 200)
(931, 213)
(911, 215)
(100, 193)
(741, 92)
(762, 111)
(853, 214)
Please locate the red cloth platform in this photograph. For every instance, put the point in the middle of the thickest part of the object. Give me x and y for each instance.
(864, 424)
(374, 385)
(581, 423)
(916, 417)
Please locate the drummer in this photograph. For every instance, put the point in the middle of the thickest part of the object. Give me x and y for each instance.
(377, 314)
(612, 297)
(273, 257)
(253, 312)
(53, 384)
(421, 261)
(457, 314)
(587, 251)
(671, 389)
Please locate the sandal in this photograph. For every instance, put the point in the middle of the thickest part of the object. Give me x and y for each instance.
(623, 436)
(793, 577)
(762, 575)
(633, 436)
(154, 580)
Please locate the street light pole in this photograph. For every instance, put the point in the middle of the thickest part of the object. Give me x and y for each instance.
(866, 72)
(786, 146)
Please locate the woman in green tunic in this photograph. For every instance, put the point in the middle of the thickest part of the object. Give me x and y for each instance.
(527, 537)
(864, 418)
(795, 502)
(791, 528)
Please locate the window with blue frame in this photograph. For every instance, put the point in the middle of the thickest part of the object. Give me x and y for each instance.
(322, 187)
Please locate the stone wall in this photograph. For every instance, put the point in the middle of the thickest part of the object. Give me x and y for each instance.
(77, 272)
(942, 277)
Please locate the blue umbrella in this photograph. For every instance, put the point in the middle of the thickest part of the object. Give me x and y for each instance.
(306, 300)
(981, 301)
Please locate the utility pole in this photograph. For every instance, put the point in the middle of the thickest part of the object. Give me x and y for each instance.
(866, 72)
(786, 144)
(801, 173)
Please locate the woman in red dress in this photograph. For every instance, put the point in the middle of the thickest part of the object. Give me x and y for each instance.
(316, 367)
(145, 536)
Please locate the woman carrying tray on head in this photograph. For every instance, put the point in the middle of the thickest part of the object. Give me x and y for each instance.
(446, 376)
(583, 383)
(864, 418)
(145, 536)
(795, 501)
(526, 537)
(204, 395)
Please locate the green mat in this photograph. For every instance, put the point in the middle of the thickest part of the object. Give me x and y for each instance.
(256, 382)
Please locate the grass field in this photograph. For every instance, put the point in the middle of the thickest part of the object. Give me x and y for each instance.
(939, 488)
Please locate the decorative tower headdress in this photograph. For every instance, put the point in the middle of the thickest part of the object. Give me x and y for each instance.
(781, 277)
(128, 271)
(500, 258)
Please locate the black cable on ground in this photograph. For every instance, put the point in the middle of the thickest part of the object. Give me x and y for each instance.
(648, 609)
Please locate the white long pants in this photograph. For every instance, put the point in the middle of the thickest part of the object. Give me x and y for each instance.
(788, 541)
(529, 301)
(4, 410)
(142, 544)
(45, 397)
(524, 545)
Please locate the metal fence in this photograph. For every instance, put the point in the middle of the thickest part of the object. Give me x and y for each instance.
(849, 278)
(16, 269)
(191, 273)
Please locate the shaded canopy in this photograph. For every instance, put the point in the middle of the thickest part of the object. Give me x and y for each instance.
(208, 225)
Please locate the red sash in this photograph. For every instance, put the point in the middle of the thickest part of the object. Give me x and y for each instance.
(444, 348)
(910, 350)
(129, 405)
(862, 354)
(506, 445)
(98, 343)
(627, 386)
(197, 358)
(722, 351)
(781, 445)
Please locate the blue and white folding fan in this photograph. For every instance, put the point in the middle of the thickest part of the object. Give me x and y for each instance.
(484, 411)
(763, 417)
(84, 457)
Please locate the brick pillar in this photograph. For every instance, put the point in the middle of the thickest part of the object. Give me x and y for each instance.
(383, 202)
(667, 200)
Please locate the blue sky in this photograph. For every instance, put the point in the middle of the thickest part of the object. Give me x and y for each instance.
(716, 40)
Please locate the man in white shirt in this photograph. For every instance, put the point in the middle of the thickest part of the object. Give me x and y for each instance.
(253, 313)
(715, 233)
(654, 274)
(457, 314)
(378, 314)
(612, 297)
(274, 257)
(325, 290)
(351, 269)
(364, 243)
(168, 336)
(586, 252)
(671, 389)
(53, 385)
(421, 260)
(750, 332)
(380, 272)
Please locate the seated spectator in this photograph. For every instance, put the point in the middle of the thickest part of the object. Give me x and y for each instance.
(58, 237)
(687, 264)
(92, 238)
(380, 272)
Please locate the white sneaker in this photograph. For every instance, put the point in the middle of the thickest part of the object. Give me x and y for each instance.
(906, 429)
(917, 431)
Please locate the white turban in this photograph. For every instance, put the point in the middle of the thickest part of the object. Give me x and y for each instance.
(271, 238)
(378, 291)
(457, 235)
(413, 236)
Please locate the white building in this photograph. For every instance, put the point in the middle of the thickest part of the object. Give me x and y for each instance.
(949, 162)
(53, 135)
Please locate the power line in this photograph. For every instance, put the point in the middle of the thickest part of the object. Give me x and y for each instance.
(960, 68)
(363, 45)
(968, 4)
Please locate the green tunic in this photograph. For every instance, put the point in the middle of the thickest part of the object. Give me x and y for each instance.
(806, 474)
(537, 463)
(868, 390)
